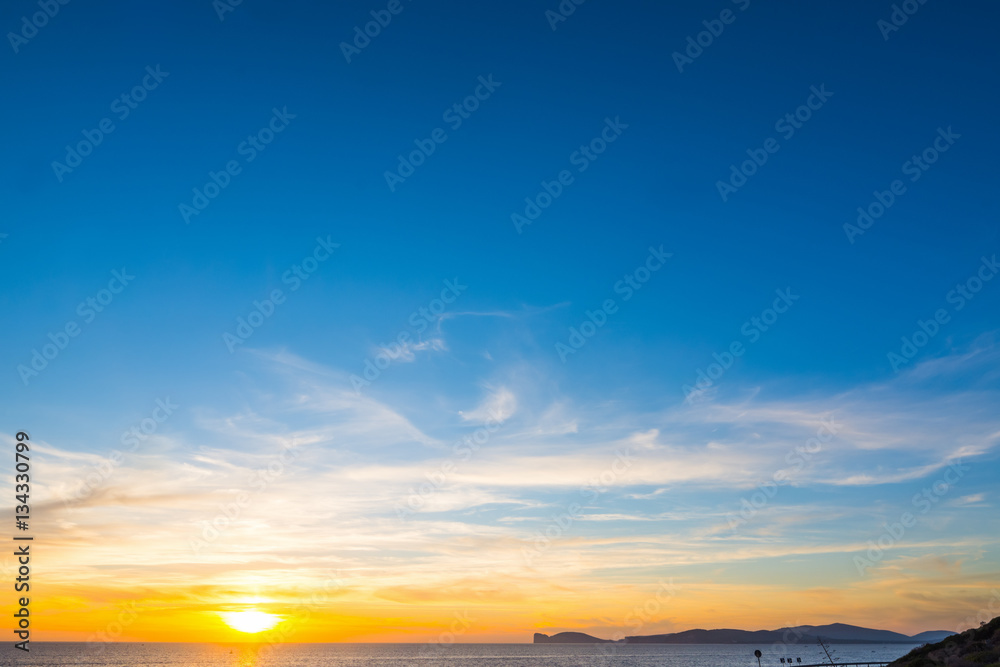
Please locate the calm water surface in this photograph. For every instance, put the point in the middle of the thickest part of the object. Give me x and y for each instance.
(423, 655)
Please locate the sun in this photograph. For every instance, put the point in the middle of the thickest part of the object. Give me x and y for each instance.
(250, 621)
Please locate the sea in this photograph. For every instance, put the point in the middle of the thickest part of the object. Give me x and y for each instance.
(60, 654)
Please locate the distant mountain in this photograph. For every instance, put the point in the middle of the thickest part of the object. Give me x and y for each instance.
(835, 633)
(841, 631)
(568, 638)
(932, 636)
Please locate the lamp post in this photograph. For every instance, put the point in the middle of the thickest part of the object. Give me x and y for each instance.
(757, 653)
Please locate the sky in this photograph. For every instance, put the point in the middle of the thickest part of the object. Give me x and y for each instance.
(511, 317)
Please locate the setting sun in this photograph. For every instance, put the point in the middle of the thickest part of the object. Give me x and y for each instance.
(250, 621)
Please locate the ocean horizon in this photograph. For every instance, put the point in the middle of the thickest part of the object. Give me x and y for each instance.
(150, 654)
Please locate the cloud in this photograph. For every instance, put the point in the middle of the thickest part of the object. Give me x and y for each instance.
(500, 405)
(323, 468)
(972, 500)
(406, 351)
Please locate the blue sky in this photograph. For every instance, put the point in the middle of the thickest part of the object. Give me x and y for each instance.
(494, 347)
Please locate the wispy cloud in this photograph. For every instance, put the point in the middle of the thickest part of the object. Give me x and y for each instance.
(406, 351)
(500, 404)
(349, 458)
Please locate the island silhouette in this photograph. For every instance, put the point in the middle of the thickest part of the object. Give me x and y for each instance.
(834, 633)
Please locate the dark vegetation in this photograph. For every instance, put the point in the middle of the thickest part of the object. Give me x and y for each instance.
(976, 647)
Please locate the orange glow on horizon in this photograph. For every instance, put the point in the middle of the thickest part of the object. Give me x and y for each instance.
(363, 617)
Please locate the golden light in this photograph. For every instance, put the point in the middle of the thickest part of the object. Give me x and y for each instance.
(250, 621)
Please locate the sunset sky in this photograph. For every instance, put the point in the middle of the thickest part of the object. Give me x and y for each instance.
(385, 409)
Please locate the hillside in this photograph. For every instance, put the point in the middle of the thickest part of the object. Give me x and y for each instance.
(977, 647)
